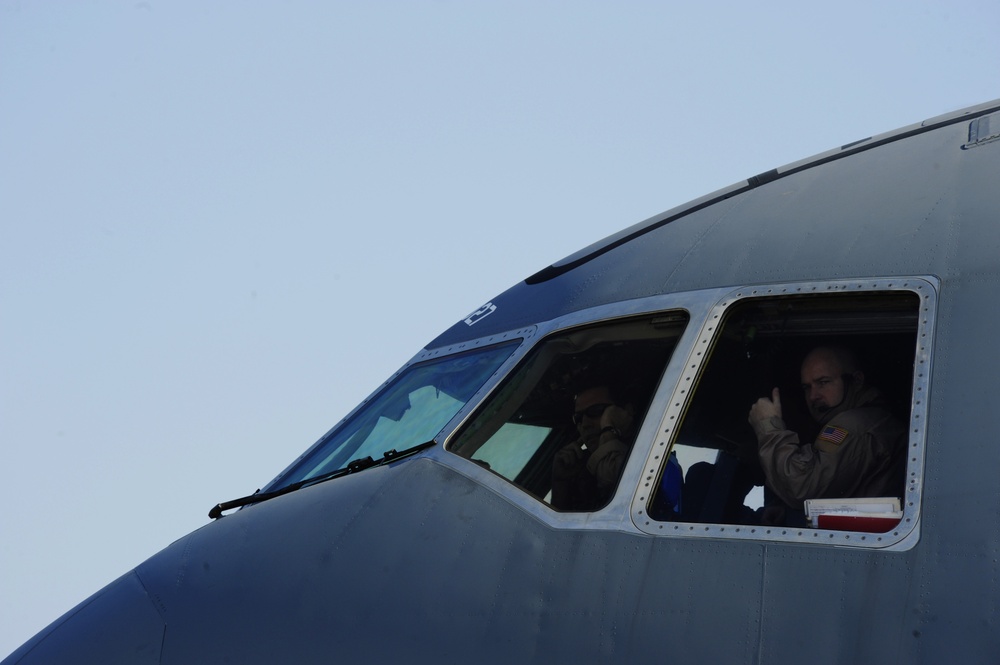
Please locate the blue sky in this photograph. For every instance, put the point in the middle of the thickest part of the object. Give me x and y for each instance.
(224, 224)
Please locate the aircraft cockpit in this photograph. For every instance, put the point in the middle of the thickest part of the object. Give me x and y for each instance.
(703, 466)
(530, 418)
(760, 346)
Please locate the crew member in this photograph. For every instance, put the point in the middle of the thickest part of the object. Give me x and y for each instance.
(585, 472)
(860, 446)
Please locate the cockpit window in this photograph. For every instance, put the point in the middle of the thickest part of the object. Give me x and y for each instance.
(807, 406)
(408, 412)
(563, 424)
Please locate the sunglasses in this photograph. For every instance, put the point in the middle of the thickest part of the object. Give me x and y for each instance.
(593, 412)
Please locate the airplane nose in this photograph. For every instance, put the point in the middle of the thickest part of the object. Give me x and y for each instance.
(118, 624)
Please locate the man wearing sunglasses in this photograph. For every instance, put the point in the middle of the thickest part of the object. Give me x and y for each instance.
(585, 472)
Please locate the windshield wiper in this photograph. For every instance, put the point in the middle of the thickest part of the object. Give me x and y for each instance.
(352, 467)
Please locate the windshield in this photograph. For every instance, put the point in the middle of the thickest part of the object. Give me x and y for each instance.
(408, 412)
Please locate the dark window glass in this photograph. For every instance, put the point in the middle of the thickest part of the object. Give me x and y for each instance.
(731, 473)
(562, 425)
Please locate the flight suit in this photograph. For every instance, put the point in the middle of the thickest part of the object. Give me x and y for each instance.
(583, 478)
(857, 453)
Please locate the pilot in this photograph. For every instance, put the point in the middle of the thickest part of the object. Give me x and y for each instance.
(858, 450)
(585, 472)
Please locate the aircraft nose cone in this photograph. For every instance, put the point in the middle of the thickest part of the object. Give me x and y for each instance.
(118, 624)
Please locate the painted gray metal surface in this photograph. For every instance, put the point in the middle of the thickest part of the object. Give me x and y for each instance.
(435, 559)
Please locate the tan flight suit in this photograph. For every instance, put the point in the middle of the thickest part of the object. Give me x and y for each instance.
(856, 454)
(584, 479)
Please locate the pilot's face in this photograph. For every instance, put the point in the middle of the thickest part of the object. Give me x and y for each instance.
(822, 384)
(588, 409)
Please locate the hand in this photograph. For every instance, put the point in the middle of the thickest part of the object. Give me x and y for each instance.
(567, 460)
(617, 417)
(568, 456)
(764, 411)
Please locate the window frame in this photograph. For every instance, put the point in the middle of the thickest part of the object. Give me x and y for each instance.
(907, 533)
(615, 515)
(607, 330)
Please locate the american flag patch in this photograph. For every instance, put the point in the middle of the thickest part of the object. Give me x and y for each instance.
(834, 435)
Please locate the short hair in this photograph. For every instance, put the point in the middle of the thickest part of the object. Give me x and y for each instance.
(844, 357)
(595, 385)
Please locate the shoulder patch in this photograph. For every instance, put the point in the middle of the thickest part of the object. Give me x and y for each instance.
(834, 435)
